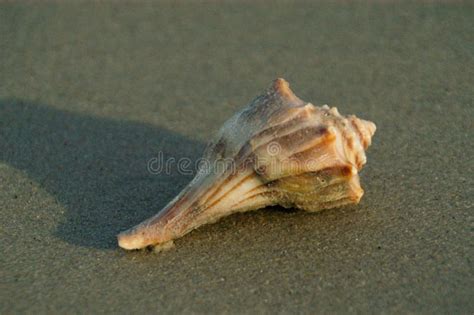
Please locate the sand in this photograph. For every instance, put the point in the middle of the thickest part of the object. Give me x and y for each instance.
(90, 92)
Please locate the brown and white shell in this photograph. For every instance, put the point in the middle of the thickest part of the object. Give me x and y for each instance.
(279, 150)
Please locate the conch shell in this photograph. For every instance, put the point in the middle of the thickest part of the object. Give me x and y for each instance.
(279, 150)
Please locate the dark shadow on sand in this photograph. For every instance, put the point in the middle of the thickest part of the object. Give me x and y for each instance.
(95, 167)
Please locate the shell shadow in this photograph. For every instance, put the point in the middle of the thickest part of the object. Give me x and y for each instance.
(95, 167)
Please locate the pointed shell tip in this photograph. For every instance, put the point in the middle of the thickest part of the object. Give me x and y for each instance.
(129, 242)
(282, 86)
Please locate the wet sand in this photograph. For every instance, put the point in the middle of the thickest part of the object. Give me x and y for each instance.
(90, 92)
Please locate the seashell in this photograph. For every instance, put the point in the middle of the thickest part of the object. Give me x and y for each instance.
(279, 150)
